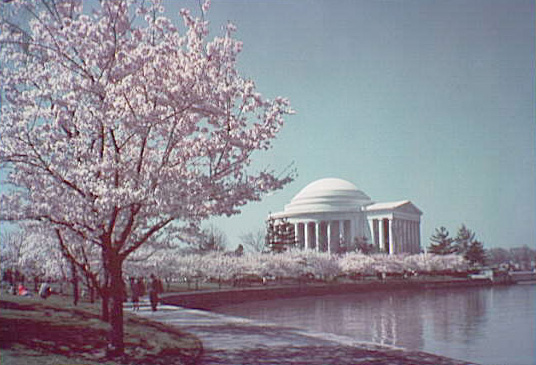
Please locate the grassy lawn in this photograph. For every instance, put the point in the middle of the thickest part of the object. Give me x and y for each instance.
(53, 331)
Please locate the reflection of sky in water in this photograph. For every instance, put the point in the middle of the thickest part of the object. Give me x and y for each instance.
(486, 325)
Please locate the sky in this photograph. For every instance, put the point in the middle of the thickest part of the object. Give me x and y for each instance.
(426, 100)
(431, 101)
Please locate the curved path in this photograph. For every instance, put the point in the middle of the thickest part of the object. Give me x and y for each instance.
(231, 340)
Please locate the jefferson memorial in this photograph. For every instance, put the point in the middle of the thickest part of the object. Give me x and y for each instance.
(329, 213)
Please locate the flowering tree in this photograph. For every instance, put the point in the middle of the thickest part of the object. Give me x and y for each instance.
(119, 127)
(41, 255)
(11, 250)
(32, 253)
(293, 264)
(320, 264)
(431, 263)
(357, 263)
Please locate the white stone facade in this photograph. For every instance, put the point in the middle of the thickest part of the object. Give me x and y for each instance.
(329, 213)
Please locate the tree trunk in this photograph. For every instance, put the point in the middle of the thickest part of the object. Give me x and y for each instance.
(75, 283)
(105, 308)
(91, 290)
(105, 288)
(117, 345)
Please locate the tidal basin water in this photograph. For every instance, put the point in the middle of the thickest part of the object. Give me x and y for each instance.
(487, 325)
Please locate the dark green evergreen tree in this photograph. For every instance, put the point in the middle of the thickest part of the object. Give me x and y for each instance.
(463, 240)
(475, 253)
(441, 243)
(280, 234)
(470, 248)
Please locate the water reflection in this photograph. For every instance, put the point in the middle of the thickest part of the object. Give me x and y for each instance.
(465, 323)
(457, 314)
(382, 319)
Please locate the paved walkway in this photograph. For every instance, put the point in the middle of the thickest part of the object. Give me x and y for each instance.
(232, 341)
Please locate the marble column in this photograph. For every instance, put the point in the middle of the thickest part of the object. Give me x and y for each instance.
(329, 230)
(381, 235)
(318, 232)
(418, 234)
(310, 235)
(306, 235)
(415, 236)
(352, 232)
(407, 236)
(341, 233)
(333, 236)
(414, 229)
(371, 229)
(376, 233)
(298, 233)
(391, 238)
(347, 233)
(400, 243)
(410, 232)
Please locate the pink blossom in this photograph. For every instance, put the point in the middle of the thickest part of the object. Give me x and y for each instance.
(117, 131)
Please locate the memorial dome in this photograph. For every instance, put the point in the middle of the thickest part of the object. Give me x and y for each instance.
(328, 195)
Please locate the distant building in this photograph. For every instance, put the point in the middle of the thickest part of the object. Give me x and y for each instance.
(331, 213)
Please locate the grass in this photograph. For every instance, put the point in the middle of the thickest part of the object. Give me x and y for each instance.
(53, 331)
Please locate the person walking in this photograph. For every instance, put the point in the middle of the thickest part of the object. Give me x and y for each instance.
(45, 291)
(141, 286)
(135, 290)
(153, 292)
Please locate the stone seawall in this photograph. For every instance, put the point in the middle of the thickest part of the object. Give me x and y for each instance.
(208, 300)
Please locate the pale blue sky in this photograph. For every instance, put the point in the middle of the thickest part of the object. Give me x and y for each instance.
(427, 100)
(431, 101)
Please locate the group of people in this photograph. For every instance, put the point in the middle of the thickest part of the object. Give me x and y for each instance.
(15, 281)
(138, 289)
(16, 284)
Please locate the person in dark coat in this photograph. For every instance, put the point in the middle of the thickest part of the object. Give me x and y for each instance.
(153, 292)
(135, 290)
(141, 286)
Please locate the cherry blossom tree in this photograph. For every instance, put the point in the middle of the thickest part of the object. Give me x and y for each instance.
(357, 263)
(119, 127)
(11, 250)
(293, 264)
(31, 253)
(431, 263)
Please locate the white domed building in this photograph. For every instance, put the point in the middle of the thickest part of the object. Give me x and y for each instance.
(330, 213)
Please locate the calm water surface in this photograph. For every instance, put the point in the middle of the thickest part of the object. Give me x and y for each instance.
(485, 325)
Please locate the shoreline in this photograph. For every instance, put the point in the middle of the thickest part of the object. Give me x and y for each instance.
(211, 299)
(230, 340)
(208, 301)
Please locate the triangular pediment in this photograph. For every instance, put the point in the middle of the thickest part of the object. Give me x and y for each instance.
(404, 206)
(408, 207)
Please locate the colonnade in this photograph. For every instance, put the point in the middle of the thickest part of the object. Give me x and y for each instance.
(323, 236)
(388, 234)
(396, 235)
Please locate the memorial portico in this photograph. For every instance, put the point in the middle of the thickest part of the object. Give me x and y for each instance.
(329, 214)
(322, 235)
(395, 226)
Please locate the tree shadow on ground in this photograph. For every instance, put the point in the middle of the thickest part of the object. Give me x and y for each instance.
(34, 328)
